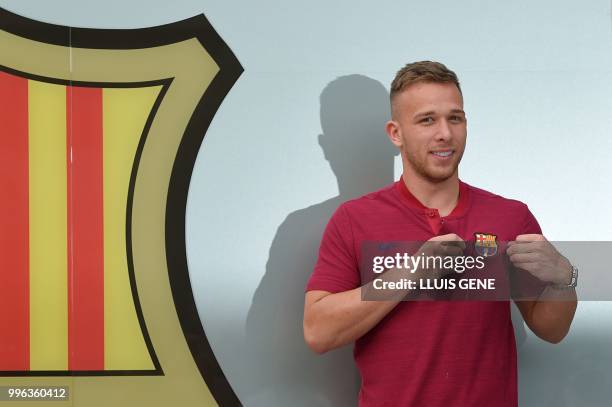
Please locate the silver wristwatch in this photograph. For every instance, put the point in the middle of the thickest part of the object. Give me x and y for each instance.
(573, 281)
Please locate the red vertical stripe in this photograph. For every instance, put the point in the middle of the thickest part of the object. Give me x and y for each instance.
(14, 224)
(85, 229)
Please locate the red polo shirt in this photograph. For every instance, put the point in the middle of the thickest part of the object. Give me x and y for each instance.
(429, 353)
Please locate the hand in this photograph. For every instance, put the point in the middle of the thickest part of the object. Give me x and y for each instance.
(442, 246)
(535, 254)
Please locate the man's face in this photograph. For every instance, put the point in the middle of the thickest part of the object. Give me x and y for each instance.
(429, 127)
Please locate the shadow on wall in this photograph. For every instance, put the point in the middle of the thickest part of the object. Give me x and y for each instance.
(354, 110)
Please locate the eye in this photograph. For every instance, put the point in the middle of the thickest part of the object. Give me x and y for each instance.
(457, 119)
(427, 120)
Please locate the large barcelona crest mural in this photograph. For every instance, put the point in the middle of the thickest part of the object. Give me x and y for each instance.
(99, 132)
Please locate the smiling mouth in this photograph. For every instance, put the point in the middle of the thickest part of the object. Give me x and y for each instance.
(443, 153)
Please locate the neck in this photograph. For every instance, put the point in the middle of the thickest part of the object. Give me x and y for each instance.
(442, 195)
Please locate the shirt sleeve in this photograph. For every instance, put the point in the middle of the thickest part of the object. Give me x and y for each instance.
(336, 268)
(530, 224)
(527, 285)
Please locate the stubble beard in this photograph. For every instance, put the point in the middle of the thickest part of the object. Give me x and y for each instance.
(432, 175)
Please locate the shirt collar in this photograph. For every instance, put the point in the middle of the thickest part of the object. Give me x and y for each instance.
(413, 202)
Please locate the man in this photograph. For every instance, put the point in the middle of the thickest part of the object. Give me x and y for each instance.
(432, 353)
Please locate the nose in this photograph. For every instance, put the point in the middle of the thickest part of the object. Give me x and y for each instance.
(444, 131)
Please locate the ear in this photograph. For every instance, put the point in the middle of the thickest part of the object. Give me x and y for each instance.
(393, 131)
(323, 145)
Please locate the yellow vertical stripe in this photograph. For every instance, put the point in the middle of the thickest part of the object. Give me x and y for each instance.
(125, 114)
(48, 257)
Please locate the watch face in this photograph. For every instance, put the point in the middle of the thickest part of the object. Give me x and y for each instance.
(574, 281)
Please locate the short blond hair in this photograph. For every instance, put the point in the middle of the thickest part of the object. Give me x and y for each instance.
(422, 71)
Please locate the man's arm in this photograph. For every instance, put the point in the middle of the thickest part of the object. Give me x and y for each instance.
(550, 316)
(332, 320)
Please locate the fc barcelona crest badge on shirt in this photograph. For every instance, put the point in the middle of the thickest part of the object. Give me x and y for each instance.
(485, 244)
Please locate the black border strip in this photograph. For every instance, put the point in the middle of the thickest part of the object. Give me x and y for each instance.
(76, 373)
(230, 70)
(105, 38)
